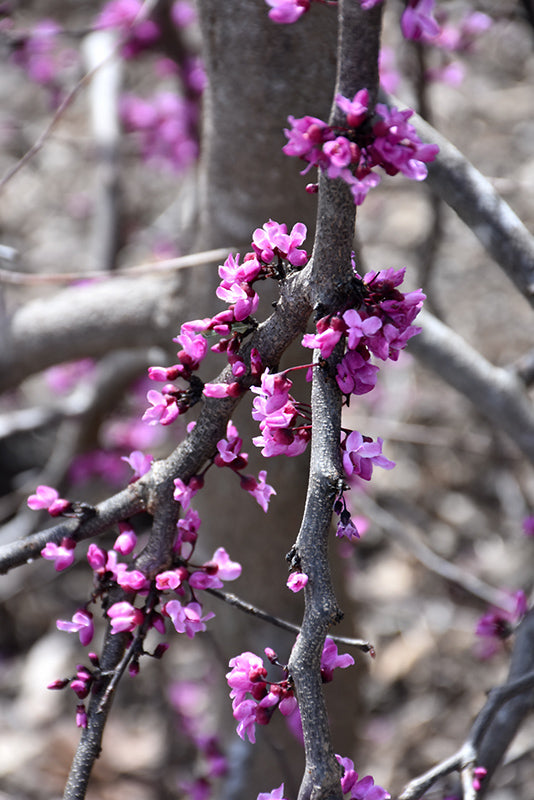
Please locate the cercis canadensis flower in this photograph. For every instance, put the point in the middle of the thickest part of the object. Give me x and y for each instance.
(382, 139)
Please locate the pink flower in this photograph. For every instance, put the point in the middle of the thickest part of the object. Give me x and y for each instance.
(124, 617)
(259, 489)
(233, 272)
(183, 493)
(227, 569)
(243, 299)
(164, 408)
(287, 11)
(82, 623)
(276, 794)
(132, 580)
(339, 154)
(355, 109)
(47, 497)
(361, 453)
(357, 328)
(297, 581)
(330, 659)
(194, 350)
(417, 22)
(305, 138)
(62, 555)
(329, 332)
(220, 390)
(126, 540)
(187, 619)
(273, 239)
(171, 579)
(248, 674)
(229, 450)
(355, 375)
(139, 462)
(81, 716)
(205, 580)
(97, 558)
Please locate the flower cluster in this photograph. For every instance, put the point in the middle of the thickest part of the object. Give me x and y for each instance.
(276, 410)
(165, 126)
(385, 139)
(275, 251)
(255, 698)
(362, 789)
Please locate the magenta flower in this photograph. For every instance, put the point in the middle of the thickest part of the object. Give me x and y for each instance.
(297, 581)
(187, 619)
(81, 716)
(183, 493)
(358, 328)
(126, 540)
(97, 558)
(276, 794)
(124, 617)
(62, 555)
(306, 137)
(329, 332)
(233, 272)
(139, 462)
(417, 22)
(48, 497)
(248, 674)
(227, 569)
(220, 390)
(82, 623)
(330, 659)
(360, 187)
(205, 580)
(338, 153)
(259, 489)
(229, 450)
(171, 579)
(287, 11)
(361, 453)
(528, 525)
(355, 109)
(355, 375)
(132, 580)
(498, 624)
(195, 348)
(367, 4)
(164, 408)
(273, 239)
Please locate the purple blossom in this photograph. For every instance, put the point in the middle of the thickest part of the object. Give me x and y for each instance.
(81, 716)
(357, 108)
(306, 137)
(355, 375)
(227, 569)
(363, 789)
(244, 300)
(273, 239)
(233, 272)
(62, 555)
(183, 493)
(164, 408)
(330, 659)
(397, 147)
(82, 623)
(97, 558)
(528, 525)
(259, 489)
(132, 580)
(124, 617)
(122, 15)
(187, 619)
(417, 22)
(360, 187)
(329, 332)
(358, 327)
(275, 794)
(287, 11)
(220, 390)
(297, 581)
(48, 497)
(139, 462)
(339, 154)
(498, 624)
(126, 540)
(361, 453)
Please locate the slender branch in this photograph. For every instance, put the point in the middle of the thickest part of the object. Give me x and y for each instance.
(497, 393)
(494, 725)
(453, 178)
(168, 265)
(248, 608)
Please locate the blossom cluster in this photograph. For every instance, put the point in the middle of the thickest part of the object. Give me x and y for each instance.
(255, 698)
(274, 251)
(384, 139)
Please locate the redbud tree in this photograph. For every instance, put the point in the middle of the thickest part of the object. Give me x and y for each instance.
(249, 337)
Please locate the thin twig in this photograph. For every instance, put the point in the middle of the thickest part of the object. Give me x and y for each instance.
(147, 268)
(248, 608)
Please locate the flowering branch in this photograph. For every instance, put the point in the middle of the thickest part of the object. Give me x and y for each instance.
(331, 274)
